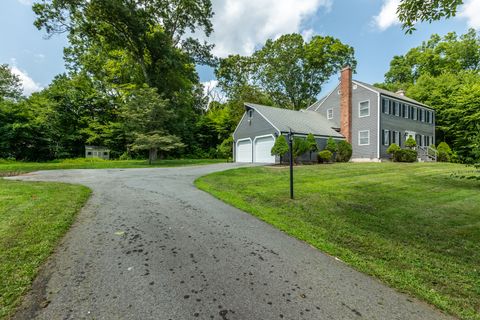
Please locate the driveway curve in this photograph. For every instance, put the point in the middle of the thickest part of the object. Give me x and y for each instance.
(149, 245)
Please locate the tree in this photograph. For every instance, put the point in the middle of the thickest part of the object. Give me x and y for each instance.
(154, 142)
(10, 85)
(280, 148)
(299, 147)
(311, 144)
(290, 70)
(392, 149)
(410, 142)
(444, 152)
(410, 12)
(344, 152)
(450, 54)
(331, 145)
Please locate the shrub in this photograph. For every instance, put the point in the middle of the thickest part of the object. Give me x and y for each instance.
(405, 155)
(344, 151)
(392, 149)
(331, 145)
(311, 144)
(280, 148)
(410, 142)
(444, 152)
(300, 146)
(325, 156)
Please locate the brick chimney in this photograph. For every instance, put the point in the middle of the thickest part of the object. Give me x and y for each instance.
(346, 103)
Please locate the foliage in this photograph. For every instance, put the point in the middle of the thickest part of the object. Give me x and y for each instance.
(154, 142)
(410, 142)
(325, 156)
(444, 152)
(280, 148)
(289, 69)
(405, 155)
(33, 218)
(331, 145)
(411, 12)
(344, 151)
(300, 147)
(10, 85)
(392, 149)
(224, 150)
(413, 226)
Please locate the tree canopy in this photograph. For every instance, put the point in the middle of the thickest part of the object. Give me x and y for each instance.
(290, 70)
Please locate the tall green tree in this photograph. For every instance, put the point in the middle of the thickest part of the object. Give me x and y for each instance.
(10, 85)
(290, 70)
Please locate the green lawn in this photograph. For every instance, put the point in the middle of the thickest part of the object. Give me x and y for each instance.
(414, 226)
(33, 217)
(17, 167)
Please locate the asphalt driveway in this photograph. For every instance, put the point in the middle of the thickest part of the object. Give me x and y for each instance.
(149, 245)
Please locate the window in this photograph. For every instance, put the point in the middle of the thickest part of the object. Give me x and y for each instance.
(399, 139)
(415, 113)
(422, 115)
(394, 136)
(386, 137)
(89, 153)
(425, 141)
(105, 153)
(364, 138)
(250, 113)
(329, 113)
(385, 105)
(364, 109)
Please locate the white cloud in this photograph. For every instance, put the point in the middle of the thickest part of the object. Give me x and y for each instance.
(26, 2)
(242, 25)
(471, 11)
(29, 85)
(387, 16)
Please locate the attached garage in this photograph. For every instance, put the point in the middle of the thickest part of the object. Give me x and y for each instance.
(256, 132)
(262, 149)
(243, 150)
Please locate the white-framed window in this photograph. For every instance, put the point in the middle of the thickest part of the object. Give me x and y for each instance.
(386, 137)
(250, 113)
(329, 114)
(364, 137)
(364, 109)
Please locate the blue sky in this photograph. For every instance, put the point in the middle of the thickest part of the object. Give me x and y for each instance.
(241, 26)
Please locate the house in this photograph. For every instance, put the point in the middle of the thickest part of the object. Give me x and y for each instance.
(368, 117)
(97, 152)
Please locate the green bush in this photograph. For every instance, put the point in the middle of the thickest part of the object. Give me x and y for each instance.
(325, 156)
(444, 152)
(392, 149)
(331, 145)
(344, 151)
(410, 142)
(405, 155)
(300, 147)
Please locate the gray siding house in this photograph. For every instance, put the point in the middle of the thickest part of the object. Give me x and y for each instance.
(368, 117)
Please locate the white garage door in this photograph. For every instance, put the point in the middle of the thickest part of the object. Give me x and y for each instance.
(244, 151)
(263, 148)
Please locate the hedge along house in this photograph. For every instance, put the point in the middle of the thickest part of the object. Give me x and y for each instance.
(260, 125)
(371, 118)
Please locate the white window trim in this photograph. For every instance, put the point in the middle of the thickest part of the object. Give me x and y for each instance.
(359, 104)
(359, 138)
(328, 114)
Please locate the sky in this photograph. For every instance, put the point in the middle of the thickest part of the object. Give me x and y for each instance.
(241, 27)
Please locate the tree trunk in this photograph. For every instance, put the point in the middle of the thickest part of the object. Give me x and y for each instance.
(152, 155)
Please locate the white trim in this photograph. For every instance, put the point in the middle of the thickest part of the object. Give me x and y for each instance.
(328, 110)
(364, 144)
(264, 117)
(238, 125)
(379, 115)
(251, 147)
(359, 103)
(361, 85)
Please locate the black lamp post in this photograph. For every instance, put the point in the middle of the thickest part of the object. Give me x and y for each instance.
(290, 147)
